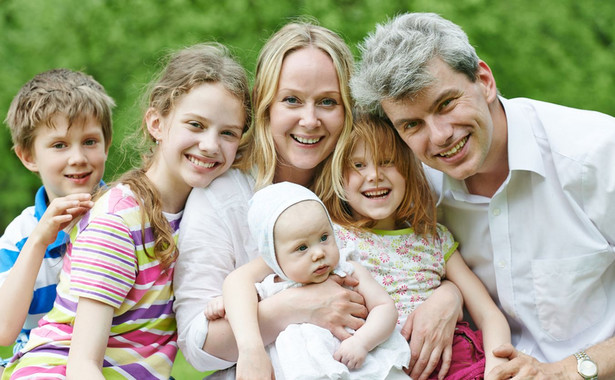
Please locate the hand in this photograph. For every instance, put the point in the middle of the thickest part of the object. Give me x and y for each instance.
(215, 309)
(430, 329)
(254, 364)
(351, 353)
(334, 307)
(59, 214)
(522, 366)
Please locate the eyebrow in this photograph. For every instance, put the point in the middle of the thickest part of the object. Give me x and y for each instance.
(434, 105)
(208, 121)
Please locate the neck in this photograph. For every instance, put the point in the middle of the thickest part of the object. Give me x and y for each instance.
(173, 197)
(303, 177)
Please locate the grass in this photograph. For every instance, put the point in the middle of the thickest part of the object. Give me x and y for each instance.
(181, 369)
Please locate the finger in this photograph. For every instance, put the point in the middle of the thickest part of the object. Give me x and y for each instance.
(355, 297)
(506, 350)
(340, 333)
(447, 356)
(416, 346)
(407, 328)
(350, 281)
(354, 323)
(432, 363)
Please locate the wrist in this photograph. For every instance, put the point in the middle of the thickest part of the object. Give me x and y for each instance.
(586, 368)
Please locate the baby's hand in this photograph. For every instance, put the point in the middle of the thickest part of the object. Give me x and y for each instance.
(215, 309)
(60, 213)
(351, 353)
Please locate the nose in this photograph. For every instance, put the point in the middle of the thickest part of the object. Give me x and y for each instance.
(440, 131)
(77, 156)
(209, 143)
(309, 116)
(372, 174)
(317, 253)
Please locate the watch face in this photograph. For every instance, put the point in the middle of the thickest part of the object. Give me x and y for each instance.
(588, 368)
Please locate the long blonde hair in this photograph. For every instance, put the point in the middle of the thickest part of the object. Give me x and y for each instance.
(418, 205)
(260, 154)
(185, 70)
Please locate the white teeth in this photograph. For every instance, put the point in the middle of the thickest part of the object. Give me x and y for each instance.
(201, 163)
(377, 193)
(76, 176)
(455, 148)
(304, 140)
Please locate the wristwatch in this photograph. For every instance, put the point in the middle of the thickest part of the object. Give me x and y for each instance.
(586, 367)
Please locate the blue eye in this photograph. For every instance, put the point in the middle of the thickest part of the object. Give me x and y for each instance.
(291, 100)
(324, 237)
(195, 124)
(302, 248)
(90, 142)
(58, 145)
(329, 102)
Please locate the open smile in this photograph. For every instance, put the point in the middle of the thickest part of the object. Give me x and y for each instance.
(307, 140)
(202, 164)
(77, 176)
(376, 193)
(455, 149)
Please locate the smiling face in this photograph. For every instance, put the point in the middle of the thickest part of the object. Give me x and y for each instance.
(448, 125)
(197, 141)
(307, 112)
(306, 252)
(69, 160)
(374, 190)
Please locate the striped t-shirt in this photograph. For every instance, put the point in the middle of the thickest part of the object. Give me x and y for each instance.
(106, 262)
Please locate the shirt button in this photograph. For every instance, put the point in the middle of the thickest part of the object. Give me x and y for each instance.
(497, 211)
(502, 264)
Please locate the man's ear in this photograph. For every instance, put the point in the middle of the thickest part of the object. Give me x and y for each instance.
(27, 158)
(486, 79)
(154, 122)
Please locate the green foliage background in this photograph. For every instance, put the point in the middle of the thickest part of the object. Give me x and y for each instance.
(560, 51)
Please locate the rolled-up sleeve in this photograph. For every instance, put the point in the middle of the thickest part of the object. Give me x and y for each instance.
(213, 241)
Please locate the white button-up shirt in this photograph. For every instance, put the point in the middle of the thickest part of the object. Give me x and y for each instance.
(544, 243)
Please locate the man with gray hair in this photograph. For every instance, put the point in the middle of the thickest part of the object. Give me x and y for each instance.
(527, 187)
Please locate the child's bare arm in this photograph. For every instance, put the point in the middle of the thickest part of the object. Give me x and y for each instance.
(484, 312)
(379, 325)
(16, 291)
(90, 337)
(241, 306)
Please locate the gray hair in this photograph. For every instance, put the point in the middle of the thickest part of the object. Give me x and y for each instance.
(395, 58)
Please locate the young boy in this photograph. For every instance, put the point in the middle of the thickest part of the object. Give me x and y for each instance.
(61, 127)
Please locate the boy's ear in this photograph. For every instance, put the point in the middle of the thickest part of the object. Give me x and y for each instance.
(154, 122)
(27, 159)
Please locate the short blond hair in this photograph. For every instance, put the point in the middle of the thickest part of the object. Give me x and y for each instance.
(59, 91)
(260, 154)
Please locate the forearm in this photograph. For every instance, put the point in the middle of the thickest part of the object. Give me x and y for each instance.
(495, 332)
(17, 290)
(274, 315)
(378, 327)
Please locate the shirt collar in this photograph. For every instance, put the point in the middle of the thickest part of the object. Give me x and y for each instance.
(523, 150)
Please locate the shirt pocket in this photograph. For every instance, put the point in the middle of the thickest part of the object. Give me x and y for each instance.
(569, 293)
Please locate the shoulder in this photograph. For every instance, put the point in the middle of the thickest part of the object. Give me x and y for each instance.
(117, 204)
(231, 187)
(568, 131)
(20, 228)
